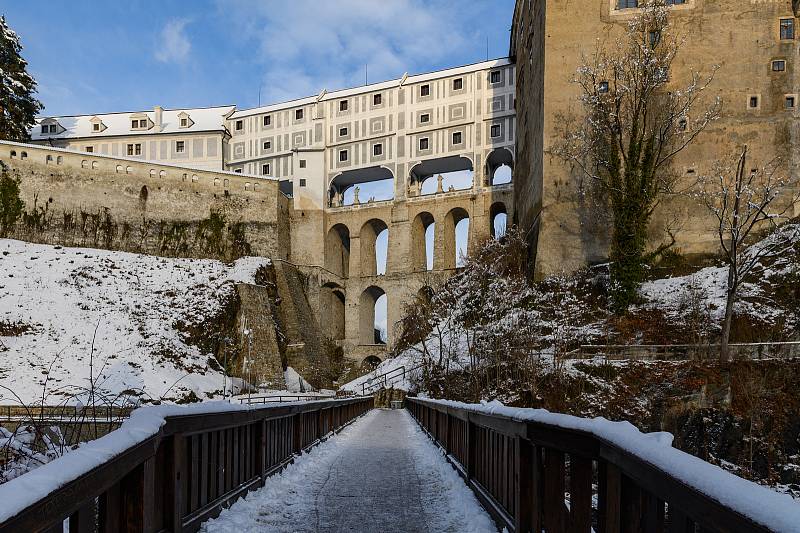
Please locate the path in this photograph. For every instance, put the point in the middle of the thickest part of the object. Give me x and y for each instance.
(380, 474)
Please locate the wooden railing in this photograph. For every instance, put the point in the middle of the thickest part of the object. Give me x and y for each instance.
(523, 473)
(187, 472)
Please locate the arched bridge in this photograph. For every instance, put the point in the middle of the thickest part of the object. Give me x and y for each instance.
(188, 469)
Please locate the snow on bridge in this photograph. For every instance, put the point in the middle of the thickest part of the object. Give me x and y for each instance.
(382, 473)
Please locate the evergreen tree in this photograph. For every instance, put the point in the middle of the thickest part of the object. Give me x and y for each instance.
(18, 105)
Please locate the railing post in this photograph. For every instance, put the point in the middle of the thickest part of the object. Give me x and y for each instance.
(554, 488)
(525, 492)
(472, 448)
(83, 521)
(261, 461)
(580, 493)
(297, 432)
(178, 476)
(609, 491)
(137, 492)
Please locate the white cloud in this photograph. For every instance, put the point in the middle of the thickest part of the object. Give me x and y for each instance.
(173, 45)
(307, 45)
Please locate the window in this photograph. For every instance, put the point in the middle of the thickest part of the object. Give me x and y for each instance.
(424, 118)
(342, 132)
(302, 163)
(184, 122)
(267, 120)
(377, 99)
(45, 128)
(342, 156)
(787, 29)
(494, 76)
(239, 125)
(89, 149)
(753, 102)
(140, 124)
(342, 105)
(238, 171)
(627, 4)
(180, 147)
(425, 90)
(298, 114)
(424, 143)
(265, 169)
(135, 149)
(603, 87)
(134, 124)
(267, 145)
(789, 103)
(779, 65)
(458, 84)
(302, 182)
(96, 126)
(494, 132)
(457, 137)
(377, 149)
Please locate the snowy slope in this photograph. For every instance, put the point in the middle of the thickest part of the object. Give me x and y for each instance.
(55, 303)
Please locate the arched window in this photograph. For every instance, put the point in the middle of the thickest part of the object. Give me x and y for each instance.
(23, 155)
(13, 154)
(333, 311)
(59, 160)
(162, 173)
(48, 159)
(128, 170)
(95, 165)
(498, 218)
(152, 173)
(84, 164)
(119, 169)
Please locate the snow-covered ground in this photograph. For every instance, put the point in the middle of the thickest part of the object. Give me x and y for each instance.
(62, 307)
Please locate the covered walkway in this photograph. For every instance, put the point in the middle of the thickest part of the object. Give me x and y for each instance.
(380, 474)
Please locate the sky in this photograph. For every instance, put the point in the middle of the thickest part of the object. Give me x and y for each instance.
(93, 57)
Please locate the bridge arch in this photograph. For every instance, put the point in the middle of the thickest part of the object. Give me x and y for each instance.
(375, 182)
(499, 166)
(456, 171)
(373, 306)
(456, 237)
(498, 219)
(333, 299)
(422, 232)
(370, 363)
(337, 250)
(374, 254)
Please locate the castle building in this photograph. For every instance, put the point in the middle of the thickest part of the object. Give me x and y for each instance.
(755, 45)
(191, 137)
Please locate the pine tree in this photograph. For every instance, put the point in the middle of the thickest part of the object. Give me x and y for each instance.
(18, 105)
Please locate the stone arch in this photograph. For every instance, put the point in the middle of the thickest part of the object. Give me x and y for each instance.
(119, 169)
(23, 155)
(450, 248)
(449, 166)
(368, 331)
(13, 154)
(84, 164)
(333, 311)
(498, 158)
(95, 165)
(162, 173)
(367, 178)
(368, 238)
(59, 160)
(337, 250)
(421, 257)
(152, 173)
(497, 214)
(48, 159)
(129, 169)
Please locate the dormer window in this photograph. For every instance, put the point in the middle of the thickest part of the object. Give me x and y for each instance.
(184, 122)
(97, 124)
(139, 123)
(49, 128)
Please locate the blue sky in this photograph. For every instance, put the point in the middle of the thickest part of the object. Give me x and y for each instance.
(93, 57)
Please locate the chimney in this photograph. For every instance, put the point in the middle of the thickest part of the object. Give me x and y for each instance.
(159, 111)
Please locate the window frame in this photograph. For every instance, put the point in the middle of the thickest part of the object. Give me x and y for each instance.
(344, 155)
(302, 182)
(266, 145)
(424, 118)
(266, 120)
(790, 34)
(343, 131)
(425, 90)
(299, 114)
(427, 142)
(499, 131)
(238, 125)
(377, 150)
(180, 147)
(344, 105)
(460, 82)
(266, 169)
(778, 62)
(460, 138)
(302, 163)
(492, 76)
(377, 99)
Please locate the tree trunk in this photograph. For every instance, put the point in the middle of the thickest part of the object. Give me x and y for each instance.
(724, 351)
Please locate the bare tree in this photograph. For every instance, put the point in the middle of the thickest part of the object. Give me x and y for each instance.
(636, 120)
(745, 202)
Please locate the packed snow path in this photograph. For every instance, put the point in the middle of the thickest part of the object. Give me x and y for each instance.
(380, 474)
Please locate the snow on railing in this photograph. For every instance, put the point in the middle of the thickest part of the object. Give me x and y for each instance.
(508, 455)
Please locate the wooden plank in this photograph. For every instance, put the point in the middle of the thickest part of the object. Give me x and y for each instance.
(580, 494)
(83, 521)
(554, 491)
(194, 473)
(679, 522)
(204, 469)
(213, 466)
(631, 506)
(609, 501)
(110, 512)
(524, 485)
(653, 513)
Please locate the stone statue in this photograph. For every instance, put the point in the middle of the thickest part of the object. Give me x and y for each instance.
(439, 180)
(356, 201)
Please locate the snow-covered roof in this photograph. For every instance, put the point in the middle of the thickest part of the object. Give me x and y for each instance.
(115, 124)
(344, 93)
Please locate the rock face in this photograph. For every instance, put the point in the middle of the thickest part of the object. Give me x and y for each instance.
(385, 397)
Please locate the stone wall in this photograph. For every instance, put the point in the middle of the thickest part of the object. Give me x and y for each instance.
(79, 199)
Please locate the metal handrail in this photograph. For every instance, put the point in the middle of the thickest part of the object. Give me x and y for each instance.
(371, 386)
(280, 398)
